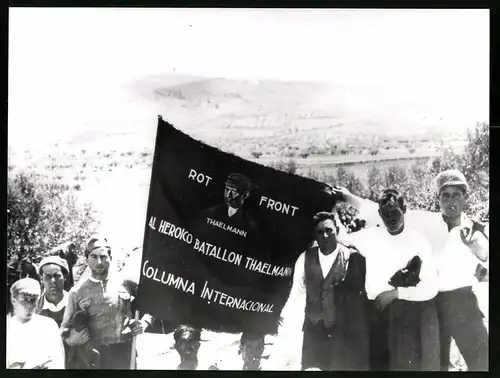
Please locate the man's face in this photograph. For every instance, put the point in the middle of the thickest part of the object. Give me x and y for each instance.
(452, 201)
(99, 261)
(393, 217)
(24, 305)
(251, 352)
(326, 235)
(235, 197)
(53, 279)
(187, 346)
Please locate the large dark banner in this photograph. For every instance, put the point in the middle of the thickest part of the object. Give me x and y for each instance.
(222, 236)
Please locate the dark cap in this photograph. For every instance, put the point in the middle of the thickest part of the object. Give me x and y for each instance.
(239, 181)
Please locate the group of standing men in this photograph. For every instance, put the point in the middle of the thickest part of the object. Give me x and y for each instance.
(391, 296)
(91, 326)
(352, 311)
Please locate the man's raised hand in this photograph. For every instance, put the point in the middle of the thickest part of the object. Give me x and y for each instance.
(340, 191)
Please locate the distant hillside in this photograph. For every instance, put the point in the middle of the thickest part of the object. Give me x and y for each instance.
(249, 118)
(262, 115)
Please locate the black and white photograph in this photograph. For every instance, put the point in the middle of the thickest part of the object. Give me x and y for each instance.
(248, 189)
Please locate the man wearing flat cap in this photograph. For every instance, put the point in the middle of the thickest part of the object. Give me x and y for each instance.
(465, 246)
(33, 341)
(459, 244)
(105, 297)
(53, 271)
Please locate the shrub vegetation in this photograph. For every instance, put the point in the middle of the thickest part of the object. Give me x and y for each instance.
(42, 215)
(417, 182)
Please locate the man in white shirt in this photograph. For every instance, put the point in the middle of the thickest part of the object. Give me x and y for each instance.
(404, 331)
(328, 302)
(33, 341)
(459, 245)
(465, 246)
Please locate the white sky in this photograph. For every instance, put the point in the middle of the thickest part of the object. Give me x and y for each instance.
(72, 62)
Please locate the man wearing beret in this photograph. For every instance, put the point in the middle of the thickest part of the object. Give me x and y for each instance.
(33, 341)
(106, 299)
(54, 272)
(459, 244)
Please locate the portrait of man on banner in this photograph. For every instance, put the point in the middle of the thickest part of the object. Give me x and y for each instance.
(232, 215)
(229, 225)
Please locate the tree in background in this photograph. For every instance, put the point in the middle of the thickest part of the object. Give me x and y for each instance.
(41, 216)
(417, 181)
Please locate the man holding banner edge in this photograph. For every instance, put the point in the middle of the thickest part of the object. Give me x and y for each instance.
(404, 331)
(456, 238)
(328, 292)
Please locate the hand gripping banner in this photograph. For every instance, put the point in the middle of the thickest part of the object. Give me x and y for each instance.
(222, 235)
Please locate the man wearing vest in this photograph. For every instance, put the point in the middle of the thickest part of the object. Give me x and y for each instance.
(459, 244)
(329, 299)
